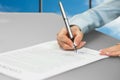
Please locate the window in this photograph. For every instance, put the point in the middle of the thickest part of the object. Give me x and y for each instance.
(71, 7)
(19, 5)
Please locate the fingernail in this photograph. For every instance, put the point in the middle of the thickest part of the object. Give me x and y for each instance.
(75, 44)
(102, 54)
(100, 50)
(84, 42)
(107, 53)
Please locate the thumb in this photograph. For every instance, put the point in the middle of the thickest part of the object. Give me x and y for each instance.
(78, 38)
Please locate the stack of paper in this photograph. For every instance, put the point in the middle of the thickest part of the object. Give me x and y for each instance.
(44, 60)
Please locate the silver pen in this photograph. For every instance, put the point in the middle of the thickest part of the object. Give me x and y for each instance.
(67, 25)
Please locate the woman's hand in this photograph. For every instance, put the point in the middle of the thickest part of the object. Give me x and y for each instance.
(65, 42)
(111, 51)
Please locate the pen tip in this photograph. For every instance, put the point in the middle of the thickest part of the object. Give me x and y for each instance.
(75, 49)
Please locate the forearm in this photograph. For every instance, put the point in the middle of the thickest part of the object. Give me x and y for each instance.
(98, 16)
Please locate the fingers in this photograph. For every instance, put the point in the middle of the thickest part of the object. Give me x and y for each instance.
(78, 35)
(65, 46)
(65, 42)
(63, 39)
(81, 44)
(112, 51)
(78, 39)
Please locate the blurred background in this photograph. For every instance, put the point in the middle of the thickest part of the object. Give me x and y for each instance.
(72, 7)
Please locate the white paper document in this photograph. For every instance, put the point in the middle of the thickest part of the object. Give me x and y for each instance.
(44, 60)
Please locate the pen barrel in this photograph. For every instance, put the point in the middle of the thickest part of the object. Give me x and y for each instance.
(66, 21)
(68, 28)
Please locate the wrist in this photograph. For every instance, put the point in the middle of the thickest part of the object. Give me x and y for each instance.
(76, 26)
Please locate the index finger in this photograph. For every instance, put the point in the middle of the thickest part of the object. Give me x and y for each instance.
(65, 40)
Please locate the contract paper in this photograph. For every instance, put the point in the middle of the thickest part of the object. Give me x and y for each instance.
(44, 60)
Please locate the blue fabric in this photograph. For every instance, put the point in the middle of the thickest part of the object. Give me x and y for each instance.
(98, 16)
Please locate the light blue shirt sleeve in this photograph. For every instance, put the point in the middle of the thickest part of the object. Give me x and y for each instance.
(98, 16)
